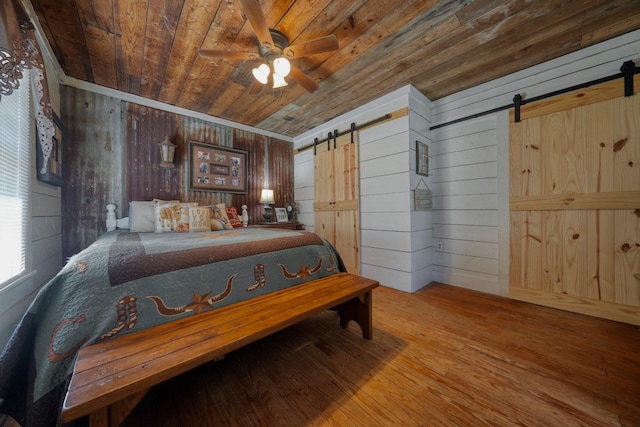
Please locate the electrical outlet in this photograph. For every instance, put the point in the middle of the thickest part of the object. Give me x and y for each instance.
(439, 246)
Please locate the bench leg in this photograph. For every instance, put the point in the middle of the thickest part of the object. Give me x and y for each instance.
(114, 415)
(360, 311)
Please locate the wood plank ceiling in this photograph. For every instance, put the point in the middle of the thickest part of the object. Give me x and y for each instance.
(150, 48)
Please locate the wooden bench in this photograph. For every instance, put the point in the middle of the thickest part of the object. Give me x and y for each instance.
(110, 377)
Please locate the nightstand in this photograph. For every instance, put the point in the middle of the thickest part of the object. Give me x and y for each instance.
(283, 225)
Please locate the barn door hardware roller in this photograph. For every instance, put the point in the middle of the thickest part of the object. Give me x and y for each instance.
(628, 70)
(517, 103)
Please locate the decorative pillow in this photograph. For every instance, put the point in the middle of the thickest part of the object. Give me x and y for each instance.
(234, 218)
(171, 216)
(142, 217)
(199, 218)
(219, 218)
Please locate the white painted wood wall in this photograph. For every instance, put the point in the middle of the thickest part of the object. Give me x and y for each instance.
(45, 253)
(395, 240)
(470, 174)
(465, 215)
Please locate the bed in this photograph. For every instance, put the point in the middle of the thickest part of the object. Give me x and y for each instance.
(127, 281)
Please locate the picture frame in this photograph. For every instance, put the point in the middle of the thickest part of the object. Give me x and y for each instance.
(216, 168)
(281, 215)
(54, 174)
(422, 158)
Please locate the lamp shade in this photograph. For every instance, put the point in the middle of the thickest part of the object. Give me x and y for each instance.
(282, 66)
(261, 73)
(278, 81)
(266, 196)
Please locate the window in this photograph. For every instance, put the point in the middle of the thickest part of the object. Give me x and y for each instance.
(15, 162)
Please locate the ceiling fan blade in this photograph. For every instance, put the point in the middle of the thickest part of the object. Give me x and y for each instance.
(257, 20)
(312, 47)
(212, 53)
(301, 78)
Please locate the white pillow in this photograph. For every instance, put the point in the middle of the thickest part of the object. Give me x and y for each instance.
(142, 217)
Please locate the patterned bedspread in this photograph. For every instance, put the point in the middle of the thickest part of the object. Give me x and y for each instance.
(125, 282)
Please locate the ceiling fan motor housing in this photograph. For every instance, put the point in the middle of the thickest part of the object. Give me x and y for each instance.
(270, 53)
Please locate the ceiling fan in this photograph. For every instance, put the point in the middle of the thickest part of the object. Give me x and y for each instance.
(274, 50)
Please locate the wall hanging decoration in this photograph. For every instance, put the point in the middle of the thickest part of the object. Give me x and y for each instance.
(422, 196)
(422, 158)
(167, 152)
(19, 51)
(215, 168)
(49, 168)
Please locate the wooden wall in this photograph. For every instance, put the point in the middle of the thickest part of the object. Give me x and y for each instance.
(112, 156)
(278, 172)
(93, 165)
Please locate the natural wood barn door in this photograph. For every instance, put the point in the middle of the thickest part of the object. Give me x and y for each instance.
(336, 198)
(575, 203)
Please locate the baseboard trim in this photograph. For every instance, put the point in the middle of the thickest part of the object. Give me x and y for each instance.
(606, 310)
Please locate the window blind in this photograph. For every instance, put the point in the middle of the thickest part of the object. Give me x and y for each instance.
(15, 164)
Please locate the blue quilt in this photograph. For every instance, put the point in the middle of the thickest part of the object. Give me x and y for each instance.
(125, 282)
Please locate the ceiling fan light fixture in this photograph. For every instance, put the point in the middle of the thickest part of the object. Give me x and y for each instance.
(278, 81)
(282, 66)
(262, 73)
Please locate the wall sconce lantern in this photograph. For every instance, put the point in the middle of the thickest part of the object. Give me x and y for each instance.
(266, 197)
(167, 151)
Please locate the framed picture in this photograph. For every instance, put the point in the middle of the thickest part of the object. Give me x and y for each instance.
(215, 168)
(54, 173)
(422, 158)
(281, 215)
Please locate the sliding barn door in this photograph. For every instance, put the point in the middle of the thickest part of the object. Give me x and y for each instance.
(575, 203)
(336, 198)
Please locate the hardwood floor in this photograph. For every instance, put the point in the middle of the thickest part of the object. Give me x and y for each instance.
(442, 356)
